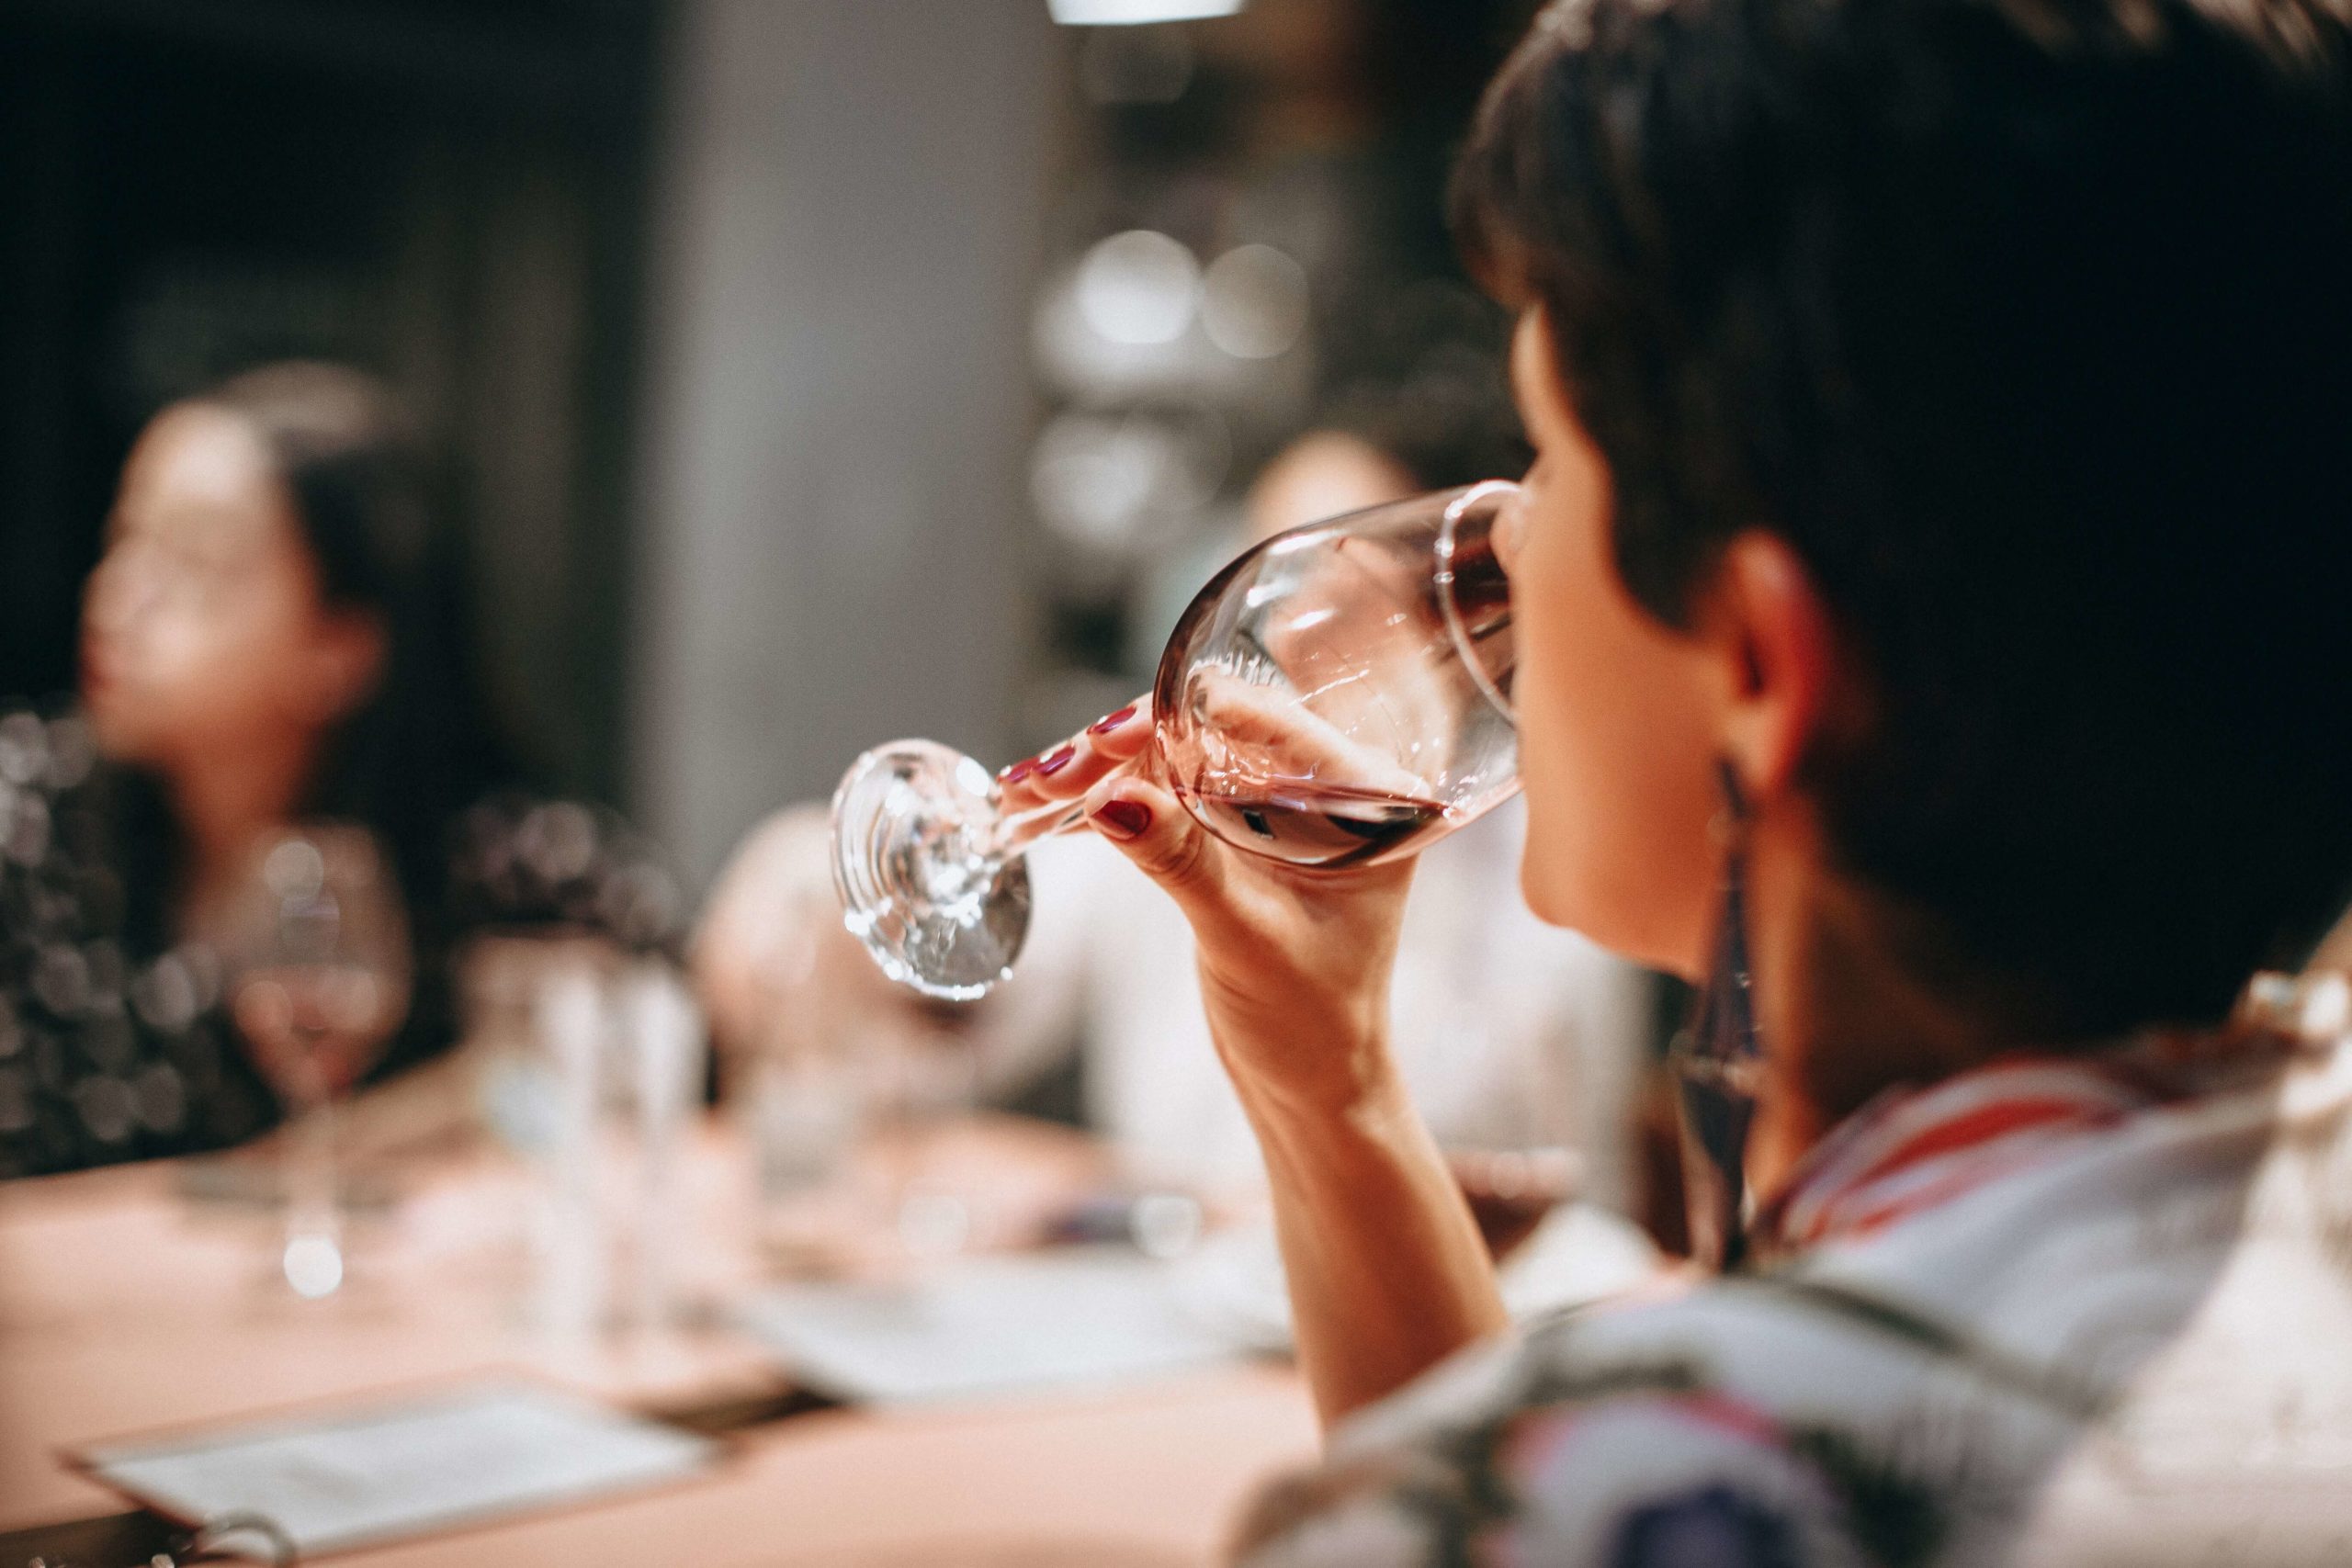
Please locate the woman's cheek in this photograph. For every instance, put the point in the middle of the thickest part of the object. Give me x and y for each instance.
(1566, 793)
(1616, 763)
(234, 676)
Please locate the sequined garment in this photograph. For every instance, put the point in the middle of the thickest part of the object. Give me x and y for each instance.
(116, 1047)
(2049, 1312)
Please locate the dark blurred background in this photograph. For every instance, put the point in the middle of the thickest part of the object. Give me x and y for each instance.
(802, 372)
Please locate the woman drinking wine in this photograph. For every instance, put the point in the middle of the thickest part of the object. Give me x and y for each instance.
(1928, 596)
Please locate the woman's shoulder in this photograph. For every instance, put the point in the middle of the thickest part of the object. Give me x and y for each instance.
(1899, 1394)
(46, 750)
(58, 845)
(1624, 1435)
(1775, 1426)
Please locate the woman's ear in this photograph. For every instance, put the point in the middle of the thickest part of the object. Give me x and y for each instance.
(347, 663)
(1772, 631)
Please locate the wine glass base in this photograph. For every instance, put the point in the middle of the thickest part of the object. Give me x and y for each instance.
(313, 1266)
(919, 886)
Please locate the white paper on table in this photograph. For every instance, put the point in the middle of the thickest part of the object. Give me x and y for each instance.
(1233, 1284)
(986, 1326)
(384, 1473)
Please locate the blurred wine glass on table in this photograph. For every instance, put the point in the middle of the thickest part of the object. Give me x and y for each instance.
(319, 966)
(928, 1099)
(1338, 696)
(807, 1091)
(1510, 1191)
(853, 1091)
(789, 993)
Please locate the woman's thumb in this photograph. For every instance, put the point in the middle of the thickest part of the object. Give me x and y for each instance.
(1155, 832)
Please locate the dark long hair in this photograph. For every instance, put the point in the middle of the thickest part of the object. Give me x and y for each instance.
(418, 748)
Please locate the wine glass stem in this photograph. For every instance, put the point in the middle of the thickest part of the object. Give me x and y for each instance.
(1016, 834)
(310, 1175)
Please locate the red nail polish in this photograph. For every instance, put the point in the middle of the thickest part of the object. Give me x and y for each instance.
(1057, 762)
(1124, 818)
(1110, 721)
(1018, 771)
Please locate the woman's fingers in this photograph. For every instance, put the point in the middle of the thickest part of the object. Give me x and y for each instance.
(1273, 734)
(1126, 806)
(1068, 771)
(1153, 830)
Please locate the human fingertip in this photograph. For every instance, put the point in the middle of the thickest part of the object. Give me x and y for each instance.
(1122, 820)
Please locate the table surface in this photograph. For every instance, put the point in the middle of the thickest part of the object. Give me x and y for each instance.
(124, 1308)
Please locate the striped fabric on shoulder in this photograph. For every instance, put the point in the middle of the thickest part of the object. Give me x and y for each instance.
(1913, 1150)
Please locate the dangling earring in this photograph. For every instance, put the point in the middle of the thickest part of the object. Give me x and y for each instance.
(1719, 1064)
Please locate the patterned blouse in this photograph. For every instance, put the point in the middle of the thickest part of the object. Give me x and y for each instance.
(115, 1047)
(2059, 1311)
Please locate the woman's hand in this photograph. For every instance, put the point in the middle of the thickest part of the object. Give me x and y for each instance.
(1294, 962)
(1386, 1271)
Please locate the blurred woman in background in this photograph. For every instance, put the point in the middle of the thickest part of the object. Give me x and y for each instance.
(273, 633)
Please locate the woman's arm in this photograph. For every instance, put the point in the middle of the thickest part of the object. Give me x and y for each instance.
(1388, 1275)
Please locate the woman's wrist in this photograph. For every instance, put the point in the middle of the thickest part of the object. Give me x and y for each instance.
(1305, 1057)
(1303, 1080)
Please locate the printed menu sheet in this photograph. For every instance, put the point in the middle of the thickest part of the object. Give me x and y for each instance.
(383, 1473)
(986, 1328)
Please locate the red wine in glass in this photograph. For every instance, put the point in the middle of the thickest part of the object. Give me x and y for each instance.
(315, 1029)
(1316, 825)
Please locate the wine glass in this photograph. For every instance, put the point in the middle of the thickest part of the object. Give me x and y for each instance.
(1338, 696)
(319, 964)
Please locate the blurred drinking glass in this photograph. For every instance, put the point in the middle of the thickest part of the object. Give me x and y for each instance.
(804, 1092)
(935, 1175)
(1338, 696)
(318, 966)
(1510, 1191)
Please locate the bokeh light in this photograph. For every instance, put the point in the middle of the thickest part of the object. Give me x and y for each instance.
(1140, 287)
(1254, 302)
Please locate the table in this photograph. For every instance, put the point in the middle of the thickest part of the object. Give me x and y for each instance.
(122, 1309)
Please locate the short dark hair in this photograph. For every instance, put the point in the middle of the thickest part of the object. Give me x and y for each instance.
(2028, 324)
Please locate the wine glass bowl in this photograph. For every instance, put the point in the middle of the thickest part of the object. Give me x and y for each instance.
(318, 961)
(1337, 695)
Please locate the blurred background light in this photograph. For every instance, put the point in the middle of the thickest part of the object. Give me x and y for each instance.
(1253, 302)
(1121, 13)
(1139, 288)
(1102, 480)
(1092, 477)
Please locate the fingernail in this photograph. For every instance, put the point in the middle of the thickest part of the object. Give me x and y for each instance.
(1018, 771)
(1110, 721)
(1057, 762)
(1124, 818)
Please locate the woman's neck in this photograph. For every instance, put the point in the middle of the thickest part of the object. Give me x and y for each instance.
(225, 800)
(1842, 1021)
